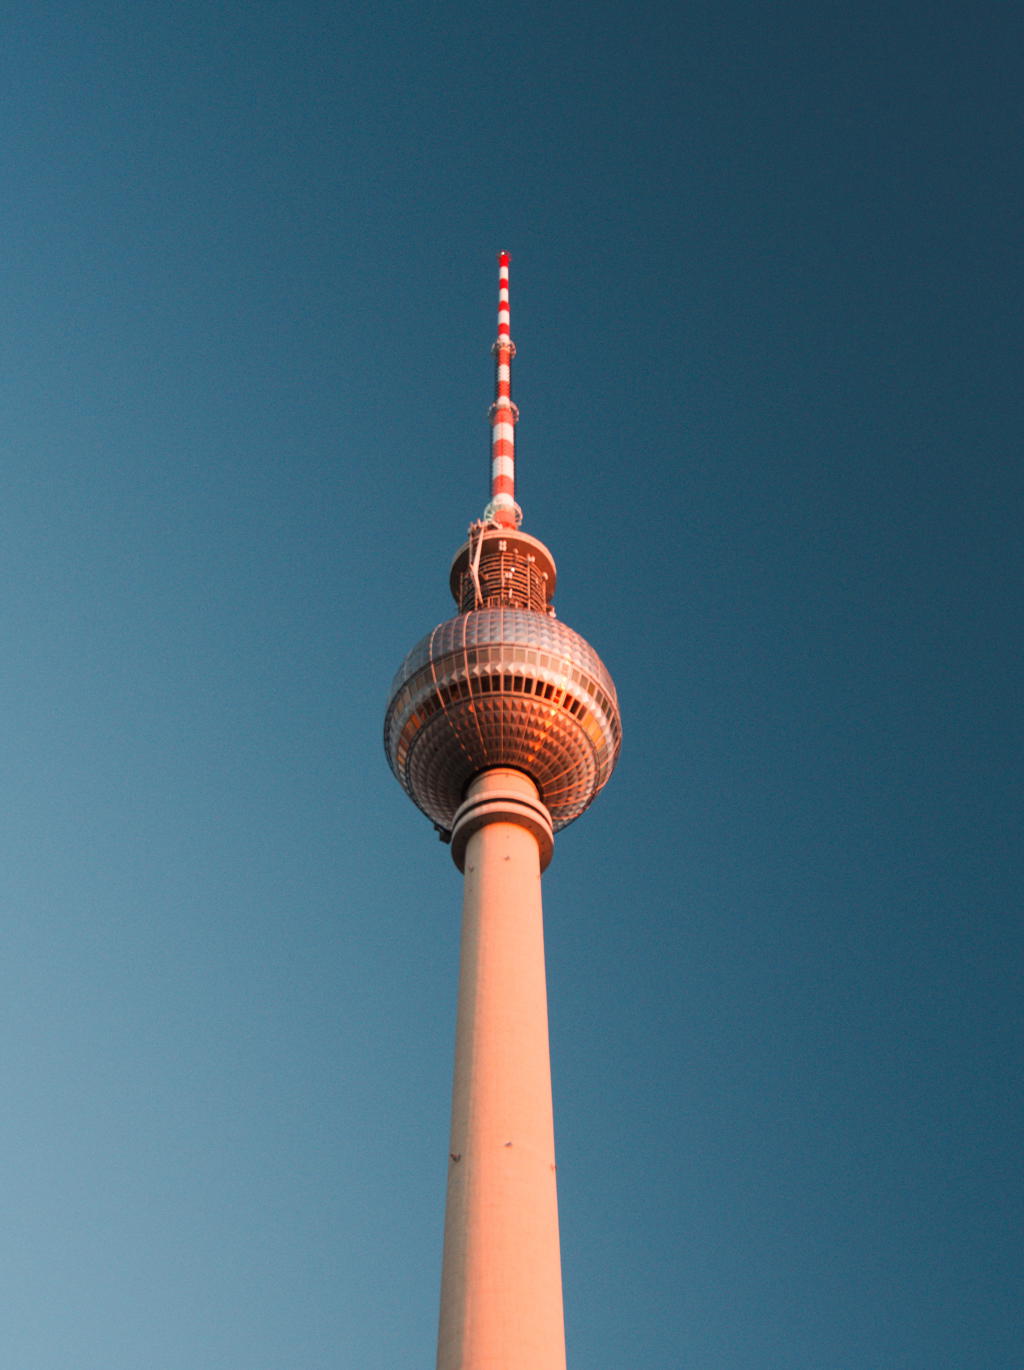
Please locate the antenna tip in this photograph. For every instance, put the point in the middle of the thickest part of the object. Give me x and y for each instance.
(503, 259)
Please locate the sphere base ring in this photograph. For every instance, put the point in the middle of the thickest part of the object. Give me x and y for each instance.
(502, 804)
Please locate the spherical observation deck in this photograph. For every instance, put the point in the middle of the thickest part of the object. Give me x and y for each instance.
(502, 686)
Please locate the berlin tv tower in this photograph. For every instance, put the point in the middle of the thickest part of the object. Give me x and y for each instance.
(502, 726)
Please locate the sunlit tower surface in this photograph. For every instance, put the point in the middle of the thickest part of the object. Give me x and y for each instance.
(502, 726)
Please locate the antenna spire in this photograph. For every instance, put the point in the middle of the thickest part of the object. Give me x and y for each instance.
(502, 509)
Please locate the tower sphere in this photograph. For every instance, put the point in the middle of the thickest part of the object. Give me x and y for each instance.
(502, 687)
(502, 684)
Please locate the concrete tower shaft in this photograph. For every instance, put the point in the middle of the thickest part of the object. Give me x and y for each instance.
(501, 1283)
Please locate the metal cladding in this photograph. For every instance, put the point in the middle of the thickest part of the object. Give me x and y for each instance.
(502, 687)
(497, 569)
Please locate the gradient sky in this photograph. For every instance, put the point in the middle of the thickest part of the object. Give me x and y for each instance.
(767, 300)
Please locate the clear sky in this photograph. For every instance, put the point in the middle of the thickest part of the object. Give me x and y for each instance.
(767, 300)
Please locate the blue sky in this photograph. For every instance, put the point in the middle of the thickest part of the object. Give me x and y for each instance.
(766, 296)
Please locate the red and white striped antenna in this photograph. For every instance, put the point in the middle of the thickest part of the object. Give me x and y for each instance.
(502, 509)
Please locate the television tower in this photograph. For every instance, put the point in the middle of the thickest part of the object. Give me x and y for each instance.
(502, 726)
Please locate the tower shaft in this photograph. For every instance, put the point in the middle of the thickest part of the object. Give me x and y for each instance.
(501, 1289)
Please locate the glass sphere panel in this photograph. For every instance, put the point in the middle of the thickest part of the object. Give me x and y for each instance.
(502, 687)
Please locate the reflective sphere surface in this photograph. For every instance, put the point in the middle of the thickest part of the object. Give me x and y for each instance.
(502, 687)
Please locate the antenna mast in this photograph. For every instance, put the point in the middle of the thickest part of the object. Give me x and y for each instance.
(502, 509)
